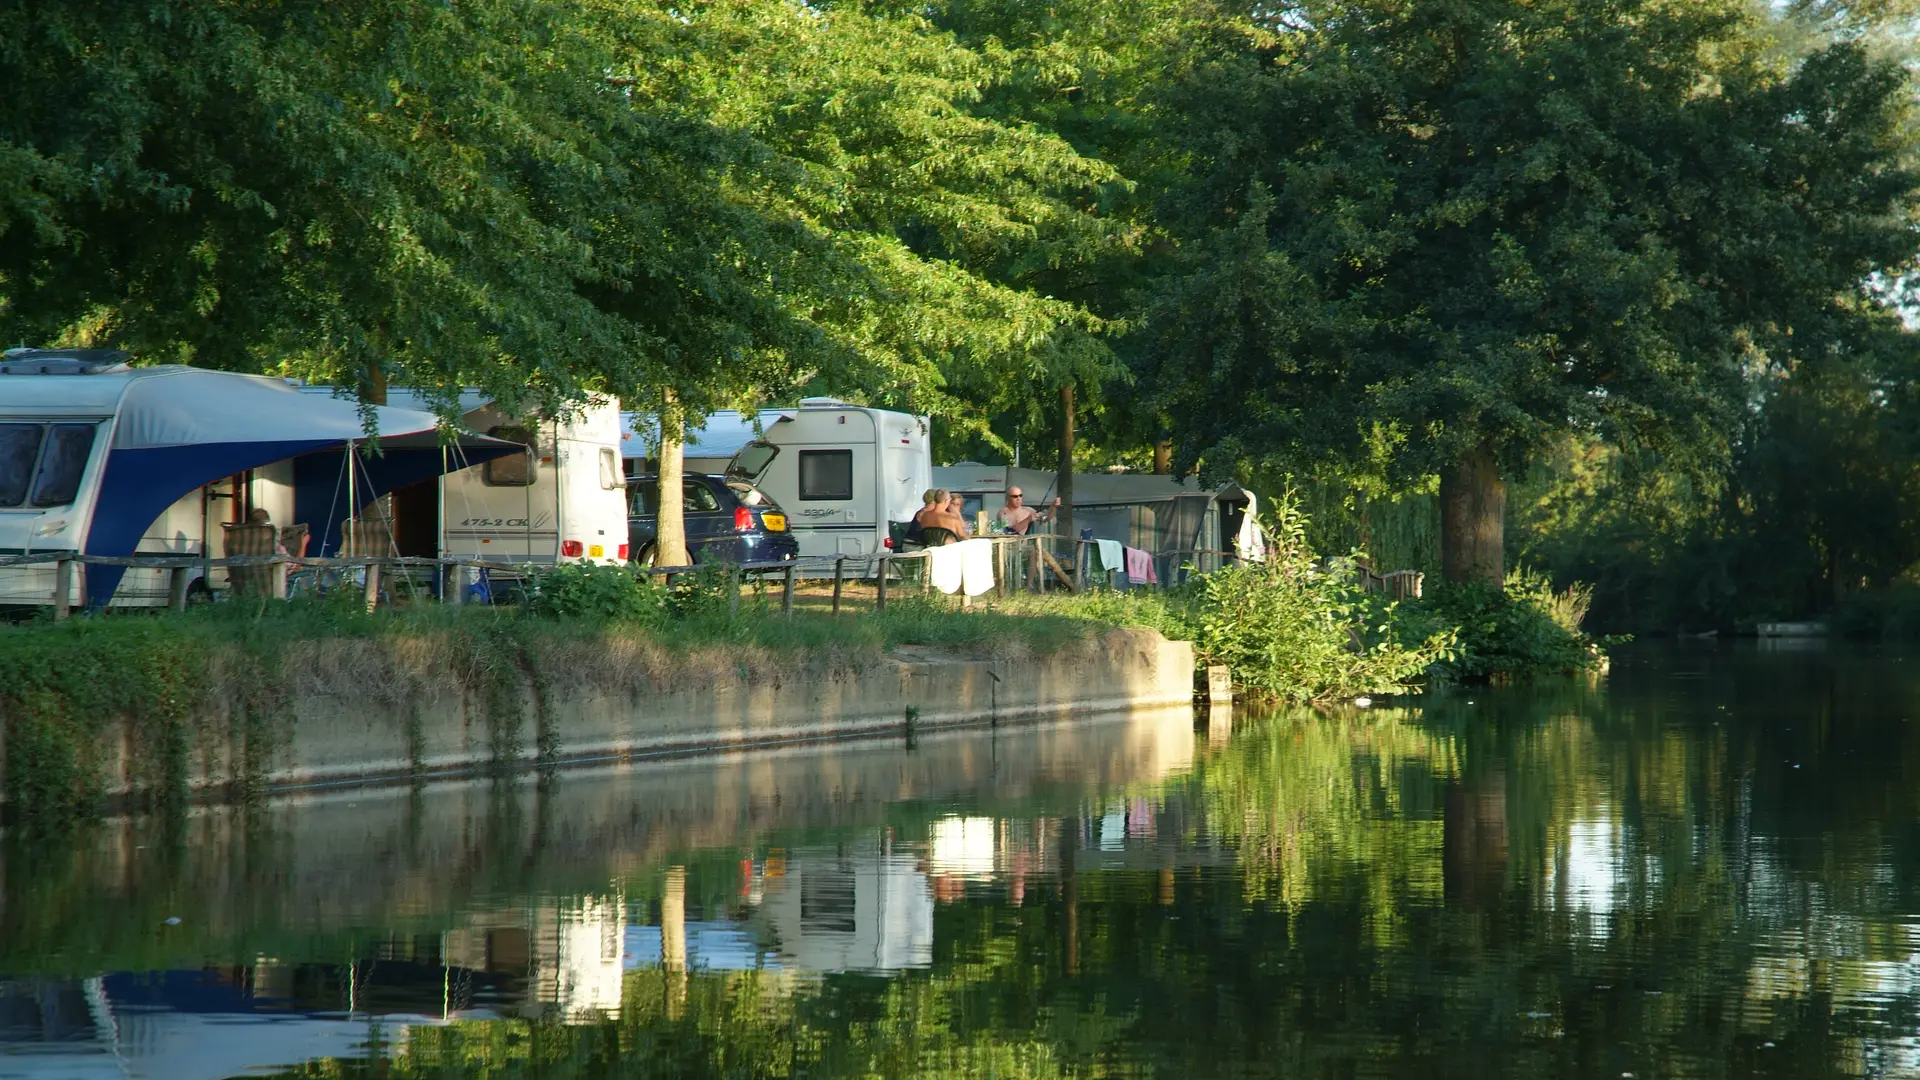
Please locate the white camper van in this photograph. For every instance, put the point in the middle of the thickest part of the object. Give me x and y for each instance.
(843, 473)
(106, 459)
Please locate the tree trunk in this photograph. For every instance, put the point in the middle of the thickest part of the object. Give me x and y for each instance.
(1163, 458)
(1473, 520)
(1063, 520)
(670, 527)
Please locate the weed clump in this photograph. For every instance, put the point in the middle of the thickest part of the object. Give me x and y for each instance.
(1527, 629)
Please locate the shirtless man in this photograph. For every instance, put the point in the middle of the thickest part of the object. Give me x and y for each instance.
(937, 514)
(1019, 516)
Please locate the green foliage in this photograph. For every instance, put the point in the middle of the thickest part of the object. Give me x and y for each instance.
(1525, 630)
(544, 200)
(1487, 224)
(1820, 502)
(1892, 613)
(597, 592)
(1294, 629)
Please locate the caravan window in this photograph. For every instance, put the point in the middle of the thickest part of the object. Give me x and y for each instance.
(19, 449)
(44, 460)
(514, 470)
(62, 460)
(611, 478)
(826, 475)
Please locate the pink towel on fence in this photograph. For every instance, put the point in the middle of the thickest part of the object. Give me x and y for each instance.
(1140, 567)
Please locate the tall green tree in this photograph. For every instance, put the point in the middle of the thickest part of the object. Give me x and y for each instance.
(1465, 228)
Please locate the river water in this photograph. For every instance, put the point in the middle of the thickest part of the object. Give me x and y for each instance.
(1702, 866)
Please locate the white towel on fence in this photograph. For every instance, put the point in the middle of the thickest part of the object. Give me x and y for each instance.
(947, 565)
(976, 562)
(1112, 555)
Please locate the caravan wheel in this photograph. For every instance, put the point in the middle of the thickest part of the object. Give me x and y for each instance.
(199, 593)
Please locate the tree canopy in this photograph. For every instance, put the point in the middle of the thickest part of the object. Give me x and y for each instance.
(1374, 241)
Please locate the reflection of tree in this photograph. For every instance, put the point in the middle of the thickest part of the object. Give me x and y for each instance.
(1476, 840)
(1309, 798)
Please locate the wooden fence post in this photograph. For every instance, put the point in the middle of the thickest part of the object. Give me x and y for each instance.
(62, 586)
(880, 584)
(454, 591)
(786, 593)
(177, 589)
(839, 575)
(373, 586)
(279, 585)
(733, 589)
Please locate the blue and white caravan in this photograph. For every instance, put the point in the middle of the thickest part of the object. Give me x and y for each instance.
(107, 459)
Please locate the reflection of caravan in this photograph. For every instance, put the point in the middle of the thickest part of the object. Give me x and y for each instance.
(562, 500)
(862, 908)
(102, 458)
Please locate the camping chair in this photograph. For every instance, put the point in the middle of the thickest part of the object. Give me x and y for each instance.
(370, 538)
(250, 539)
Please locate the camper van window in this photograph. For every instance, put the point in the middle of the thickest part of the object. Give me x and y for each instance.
(61, 462)
(514, 470)
(19, 449)
(826, 475)
(611, 478)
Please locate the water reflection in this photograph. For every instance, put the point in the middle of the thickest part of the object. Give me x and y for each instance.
(1705, 867)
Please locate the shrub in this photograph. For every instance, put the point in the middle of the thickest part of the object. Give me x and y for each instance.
(1527, 629)
(1892, 613)
(1295, 630)
(591, 591)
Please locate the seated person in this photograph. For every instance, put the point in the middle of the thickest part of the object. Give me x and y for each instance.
(957, 506)
(1019, 516)
(938, 514)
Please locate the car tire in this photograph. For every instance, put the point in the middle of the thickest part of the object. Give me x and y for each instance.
(199, 593)
(646, 557)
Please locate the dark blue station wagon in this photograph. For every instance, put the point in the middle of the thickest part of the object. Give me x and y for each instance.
(728, 520)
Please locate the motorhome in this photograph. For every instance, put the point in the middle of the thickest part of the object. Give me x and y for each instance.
(562, 500)
(843, 473)
(107, 459)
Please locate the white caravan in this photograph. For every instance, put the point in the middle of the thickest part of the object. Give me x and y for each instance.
(843, 473)
(563, 500)
(106, 459)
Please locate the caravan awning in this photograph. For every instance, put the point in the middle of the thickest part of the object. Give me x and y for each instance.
(180, 428)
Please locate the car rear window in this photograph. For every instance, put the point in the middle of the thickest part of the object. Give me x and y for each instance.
(748, 495)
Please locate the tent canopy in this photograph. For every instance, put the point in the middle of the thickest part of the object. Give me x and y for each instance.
(181, 428)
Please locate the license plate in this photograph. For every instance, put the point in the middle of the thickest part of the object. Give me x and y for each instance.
(774, 522)
(597, 551)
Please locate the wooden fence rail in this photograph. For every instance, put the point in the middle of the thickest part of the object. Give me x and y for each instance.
(454, 573)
